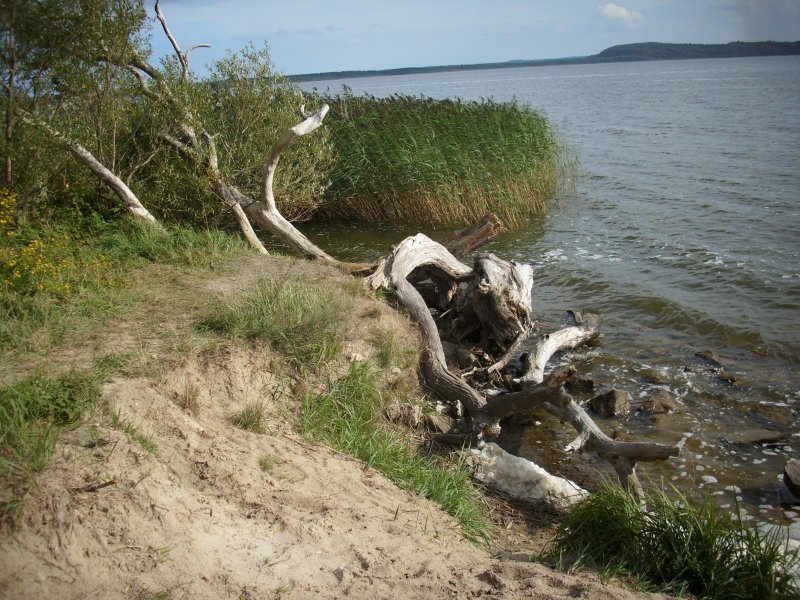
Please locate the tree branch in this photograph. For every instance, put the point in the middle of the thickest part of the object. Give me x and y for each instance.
(109, 178)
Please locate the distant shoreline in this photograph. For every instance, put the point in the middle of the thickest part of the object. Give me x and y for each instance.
(645, 51)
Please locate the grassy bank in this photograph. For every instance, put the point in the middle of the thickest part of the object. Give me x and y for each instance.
(59, 286)
(415, 159)
(305, 324)
(65, 291)
(677, 545)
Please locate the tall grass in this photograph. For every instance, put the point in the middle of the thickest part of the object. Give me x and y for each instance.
(347, 417)
(302, 320)
(678, 546)
(443, 161)
(32, 412)
(53, 278)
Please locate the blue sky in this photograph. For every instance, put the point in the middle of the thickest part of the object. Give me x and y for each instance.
(335, 35)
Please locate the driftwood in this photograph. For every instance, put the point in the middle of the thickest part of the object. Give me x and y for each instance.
(491, 309)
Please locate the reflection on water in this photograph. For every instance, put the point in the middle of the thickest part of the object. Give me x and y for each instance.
(682, 234)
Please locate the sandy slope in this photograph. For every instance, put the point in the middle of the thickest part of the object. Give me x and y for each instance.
(202, 518)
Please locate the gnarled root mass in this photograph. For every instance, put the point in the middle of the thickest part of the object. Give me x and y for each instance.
(488, 308)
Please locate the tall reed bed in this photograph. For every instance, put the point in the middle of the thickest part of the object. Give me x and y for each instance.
(407, 158)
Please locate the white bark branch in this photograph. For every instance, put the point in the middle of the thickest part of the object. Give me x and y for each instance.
(108, 177)
(586, 328)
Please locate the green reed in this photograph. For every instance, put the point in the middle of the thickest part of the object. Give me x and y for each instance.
(677, 545)
(441, 161)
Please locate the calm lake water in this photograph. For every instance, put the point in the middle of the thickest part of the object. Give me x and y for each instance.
(682, 232)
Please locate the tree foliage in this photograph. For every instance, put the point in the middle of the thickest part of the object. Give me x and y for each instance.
(74, 73)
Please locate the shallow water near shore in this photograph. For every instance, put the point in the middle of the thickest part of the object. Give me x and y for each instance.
(683, 232)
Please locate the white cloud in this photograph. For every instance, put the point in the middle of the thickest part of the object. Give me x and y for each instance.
(615, 12)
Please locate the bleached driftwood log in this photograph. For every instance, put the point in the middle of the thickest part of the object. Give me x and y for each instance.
(491, 306)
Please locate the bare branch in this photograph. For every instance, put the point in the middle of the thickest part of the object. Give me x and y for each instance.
(108, 177)
(189, 51)
(311, 123)
(584, 330)
(140, 165)
(170, 37)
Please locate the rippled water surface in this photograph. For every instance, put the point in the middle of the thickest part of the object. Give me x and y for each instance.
(683, 232)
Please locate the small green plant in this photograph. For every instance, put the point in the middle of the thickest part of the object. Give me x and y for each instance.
(391, 351)
(266, 463)
(251, 417)
(145, 441)
(302, 320)
(188, 397)
(346, 416)
(677, 545)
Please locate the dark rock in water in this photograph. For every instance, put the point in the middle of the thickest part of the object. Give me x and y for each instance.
(772, 415)
(580, 385)
(616, 403)
(791, 476)
(662, 418)
(655, 377)
(756, 435)
(710, 356)
(660, 401)
(725, 376)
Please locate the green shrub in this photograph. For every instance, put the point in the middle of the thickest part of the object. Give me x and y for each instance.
(32, 411)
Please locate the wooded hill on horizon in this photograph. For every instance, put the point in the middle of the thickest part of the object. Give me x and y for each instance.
(641, 51)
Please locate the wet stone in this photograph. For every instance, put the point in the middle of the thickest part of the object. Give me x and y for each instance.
(755, 435)
(791, 476)
(709, 356)
(660, 401)
(580, 385)
(615, 403)
(655, 377)
(725, 376)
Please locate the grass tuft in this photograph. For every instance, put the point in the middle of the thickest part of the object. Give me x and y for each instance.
(303, 321)
(346, 416)
(129, 429)
(677, 545)
(251, 417)
(390, 351)
(266, 463)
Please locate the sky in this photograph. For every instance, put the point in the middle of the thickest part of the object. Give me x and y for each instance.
(313, 36)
